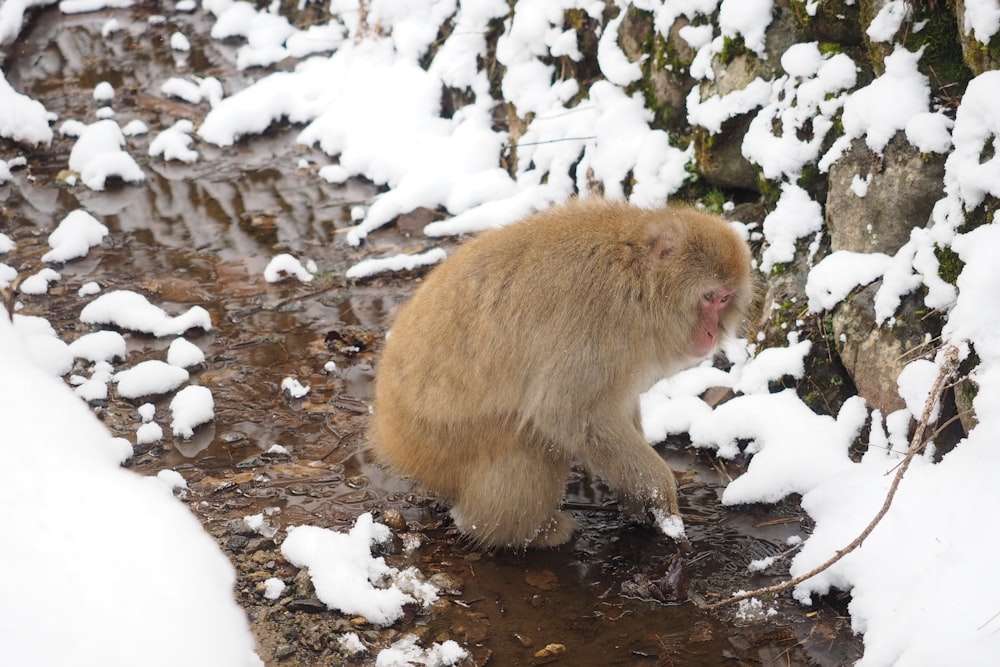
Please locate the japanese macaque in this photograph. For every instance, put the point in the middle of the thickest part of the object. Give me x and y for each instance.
(527, 349)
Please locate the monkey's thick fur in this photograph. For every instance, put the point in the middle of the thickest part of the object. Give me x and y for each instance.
(527, 350)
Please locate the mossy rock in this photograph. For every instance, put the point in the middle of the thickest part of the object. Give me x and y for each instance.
(874, 355)
(665, 62)
(977, 56)
(834, 21)
(943, 60)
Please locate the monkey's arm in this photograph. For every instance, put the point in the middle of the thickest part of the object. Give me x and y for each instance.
(618, 453)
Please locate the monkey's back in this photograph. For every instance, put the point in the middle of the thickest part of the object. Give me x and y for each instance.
(526, 327)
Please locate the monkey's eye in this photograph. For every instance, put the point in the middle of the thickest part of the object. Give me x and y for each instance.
(725, 298)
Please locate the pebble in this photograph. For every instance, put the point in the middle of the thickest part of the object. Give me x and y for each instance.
(356, 482)
(284, 651)
(394, 519)
(308, 605)
(447, 582)
(551, 650)
(237, 542)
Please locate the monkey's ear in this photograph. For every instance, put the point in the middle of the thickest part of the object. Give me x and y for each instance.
(662, 248)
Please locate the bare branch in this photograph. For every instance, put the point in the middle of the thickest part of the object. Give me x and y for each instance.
(949, 365)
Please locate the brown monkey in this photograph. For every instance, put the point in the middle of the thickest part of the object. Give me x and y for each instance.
(528, 348)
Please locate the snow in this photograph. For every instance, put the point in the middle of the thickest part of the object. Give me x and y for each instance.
(146, 412)
(148, 433)
(294, 388)
(97, 155)
(184, 353)
(21, 118)
(185, 89)
(346, 575)
(920, 588)
(38, 283)
(885, 106)
(130, 310)
(149, 378)
(7, 274)
(715, 110)
(887, 22)
(833, 278)
(191, 407)
(808, 97)
(174, 143)
(614, 64)
(370, 267)
(273, 588)
(104, 91)
(42, 345)
(795, 216)
(78, 232)
(172, 479)
(406, 652)
(179, 42)
(68, 543)
(748, 19)
(286, 265)
(981, 19)
(99, 346)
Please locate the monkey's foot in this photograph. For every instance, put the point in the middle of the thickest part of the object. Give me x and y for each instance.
(672, 526)
(557, 530)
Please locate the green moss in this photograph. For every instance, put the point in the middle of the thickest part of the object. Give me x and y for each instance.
(770, 190)
(942, 61)
(813, 181)
(714, 200)
(829, 48)
(732, 47)
(949, 264)
(829, 21)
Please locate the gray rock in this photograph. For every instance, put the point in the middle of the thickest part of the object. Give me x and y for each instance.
(874, 356)
(903, 186)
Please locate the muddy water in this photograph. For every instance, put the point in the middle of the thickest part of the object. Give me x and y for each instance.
(202, 234)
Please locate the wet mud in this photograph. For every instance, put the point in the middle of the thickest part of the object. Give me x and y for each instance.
(617, 594)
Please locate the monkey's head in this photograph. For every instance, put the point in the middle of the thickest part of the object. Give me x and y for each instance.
(702, 273)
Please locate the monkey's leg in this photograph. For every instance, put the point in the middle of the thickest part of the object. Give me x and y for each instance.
(621, 456)
(513, 501)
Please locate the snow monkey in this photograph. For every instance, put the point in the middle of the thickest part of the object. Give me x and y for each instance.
(527, 349)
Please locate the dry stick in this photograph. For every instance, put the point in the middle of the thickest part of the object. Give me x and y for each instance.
(949, 364)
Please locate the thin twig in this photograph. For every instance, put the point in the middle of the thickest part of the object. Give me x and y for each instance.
(949, 365)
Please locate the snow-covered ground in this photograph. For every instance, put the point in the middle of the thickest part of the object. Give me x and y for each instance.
(921, 588)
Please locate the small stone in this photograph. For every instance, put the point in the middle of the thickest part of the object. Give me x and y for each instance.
(284, 651)
(237, 542)
(356, 482)
(551, 650)
(308, 605)
(447, 582)
(394, 519)
(392, 546)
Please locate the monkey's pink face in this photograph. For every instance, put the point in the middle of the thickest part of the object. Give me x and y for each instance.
(711, 306)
